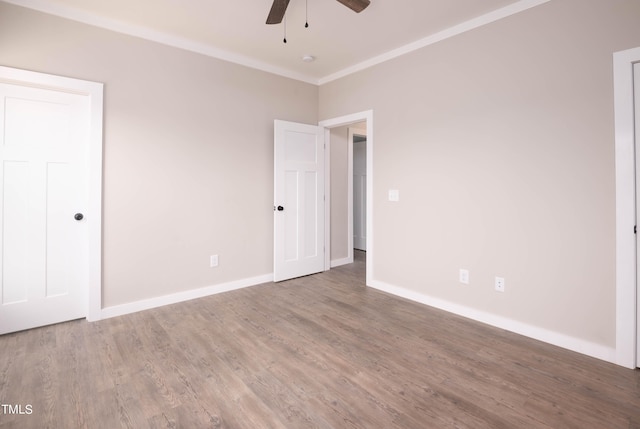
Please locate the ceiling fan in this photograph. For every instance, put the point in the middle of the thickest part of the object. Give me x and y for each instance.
(279, 7)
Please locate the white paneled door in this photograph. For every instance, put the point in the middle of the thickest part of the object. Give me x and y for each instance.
(298, 200)
(636, 100)
(43, 194)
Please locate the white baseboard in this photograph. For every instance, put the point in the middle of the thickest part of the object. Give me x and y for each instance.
(555, 338)
(338, 262)
(146, 304)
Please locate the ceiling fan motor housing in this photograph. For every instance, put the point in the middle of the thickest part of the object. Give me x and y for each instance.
(279, 7)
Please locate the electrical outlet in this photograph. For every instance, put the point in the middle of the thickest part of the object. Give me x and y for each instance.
(500, 284)
(213, 261)
(464, 276)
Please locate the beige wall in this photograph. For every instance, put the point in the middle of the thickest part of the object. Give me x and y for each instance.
(188, 152)
(501, 142)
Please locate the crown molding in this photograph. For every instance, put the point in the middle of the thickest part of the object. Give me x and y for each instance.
(212, 51)
(463, 27)
(158, 37)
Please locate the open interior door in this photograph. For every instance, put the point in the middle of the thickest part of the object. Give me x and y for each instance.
(298, 200)
(636, 102)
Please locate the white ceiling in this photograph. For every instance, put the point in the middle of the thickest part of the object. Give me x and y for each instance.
(341, 40)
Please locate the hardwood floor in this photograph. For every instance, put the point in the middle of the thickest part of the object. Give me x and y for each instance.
(317, 352)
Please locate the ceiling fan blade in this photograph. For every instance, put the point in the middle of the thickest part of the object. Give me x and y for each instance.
(356, 5)
(278, 8)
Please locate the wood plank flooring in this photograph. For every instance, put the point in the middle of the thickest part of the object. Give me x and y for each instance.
(321, 352)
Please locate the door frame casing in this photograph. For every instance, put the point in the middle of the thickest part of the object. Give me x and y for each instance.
(340, 121)
(625, 166)
(94, 91)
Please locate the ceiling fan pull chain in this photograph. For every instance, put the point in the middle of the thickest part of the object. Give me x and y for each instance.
(285, 30)
(306, 18)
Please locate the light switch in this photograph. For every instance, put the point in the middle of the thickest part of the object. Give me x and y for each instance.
(394, 195)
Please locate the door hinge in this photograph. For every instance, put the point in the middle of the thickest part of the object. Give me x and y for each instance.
(635, 229)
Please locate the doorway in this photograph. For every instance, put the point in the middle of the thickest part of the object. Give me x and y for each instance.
(358, 209)
(365, 118)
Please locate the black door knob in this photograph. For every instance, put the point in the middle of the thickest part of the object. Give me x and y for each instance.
(78, 216)
(280, 208)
